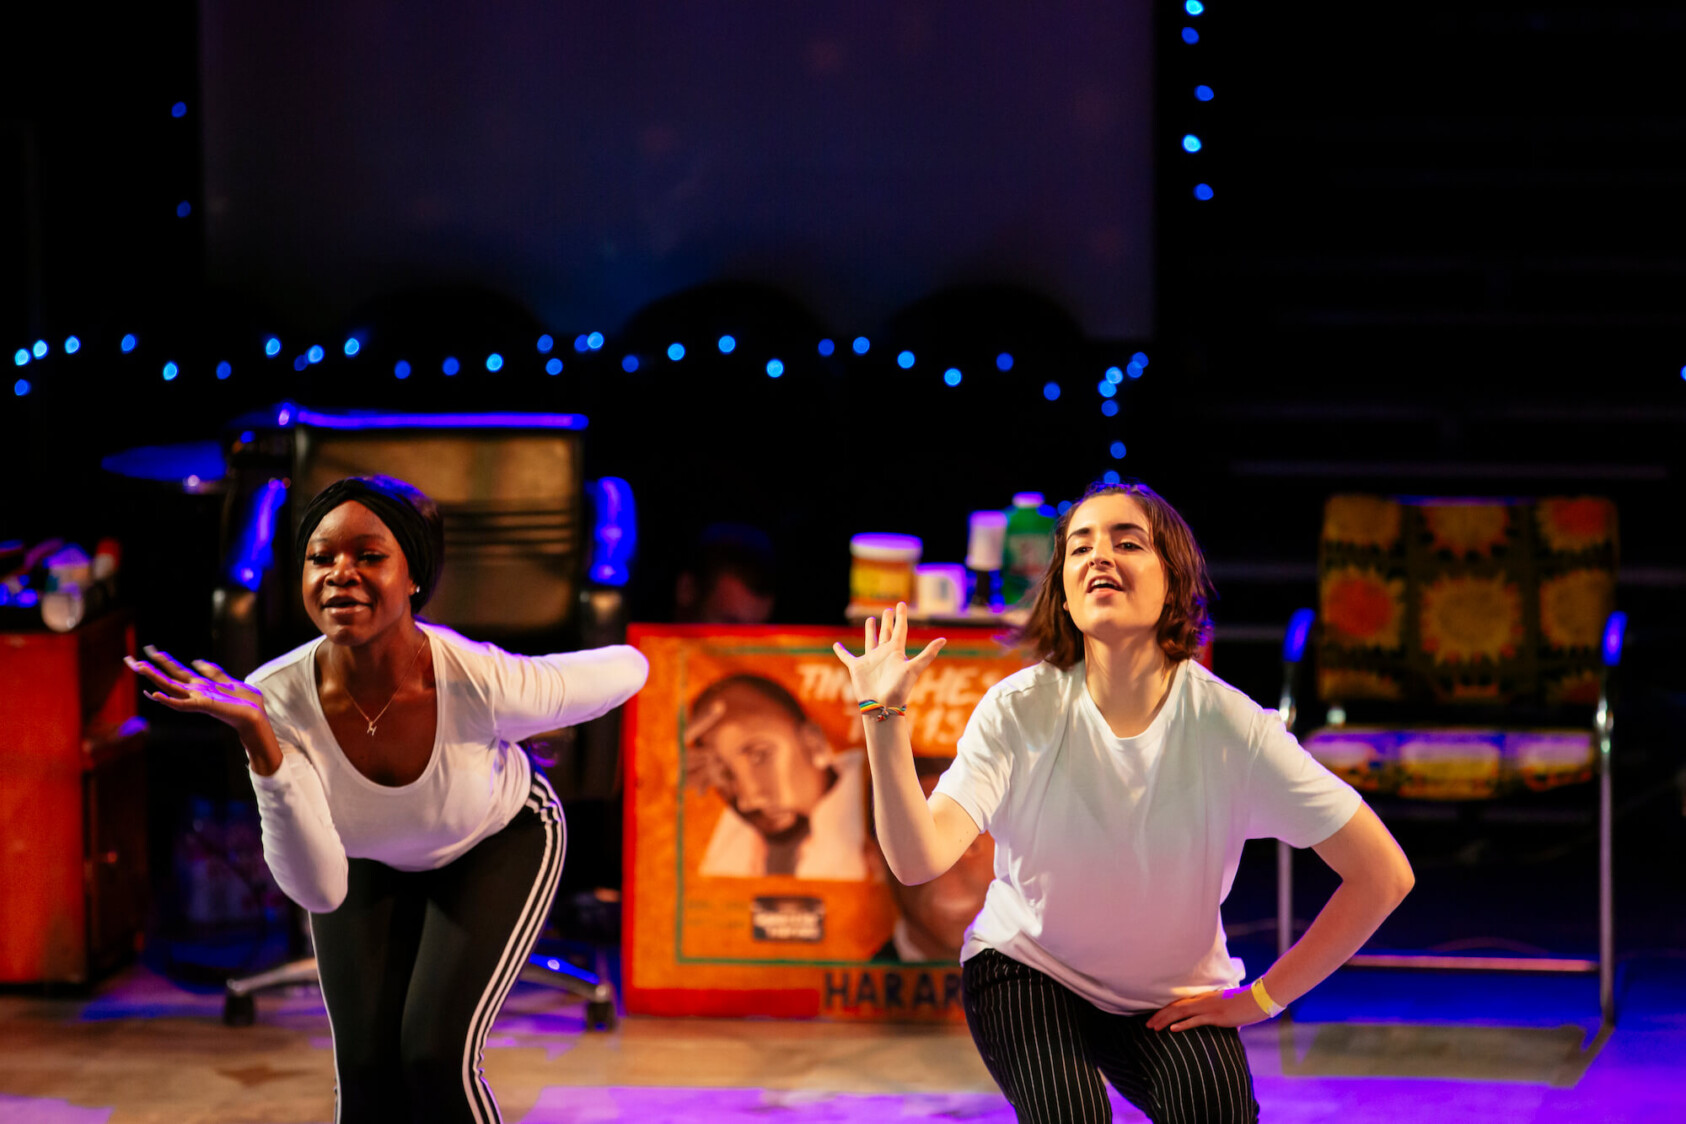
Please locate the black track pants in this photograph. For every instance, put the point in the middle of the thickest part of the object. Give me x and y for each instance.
(416, 964)
(1047, 1048)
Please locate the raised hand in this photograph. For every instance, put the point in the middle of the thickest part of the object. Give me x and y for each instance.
(883, 671)
(203, 688)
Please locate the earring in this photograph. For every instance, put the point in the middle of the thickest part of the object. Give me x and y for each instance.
(415, 589)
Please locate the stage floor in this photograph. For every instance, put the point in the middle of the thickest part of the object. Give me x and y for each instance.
(1368, 1046)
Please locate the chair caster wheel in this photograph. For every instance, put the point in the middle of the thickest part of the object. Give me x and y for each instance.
(239, 1010)
(600, 1016)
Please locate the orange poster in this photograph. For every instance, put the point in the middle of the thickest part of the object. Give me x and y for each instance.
(754, 883)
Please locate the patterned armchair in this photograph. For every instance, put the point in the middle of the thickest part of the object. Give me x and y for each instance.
(1462, 645)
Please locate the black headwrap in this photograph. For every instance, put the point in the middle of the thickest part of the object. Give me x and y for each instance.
(412, 518)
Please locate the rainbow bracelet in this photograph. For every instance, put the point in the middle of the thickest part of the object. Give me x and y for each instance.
(884, 710)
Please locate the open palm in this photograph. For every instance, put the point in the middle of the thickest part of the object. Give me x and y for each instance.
(203, 688)
(883, 671)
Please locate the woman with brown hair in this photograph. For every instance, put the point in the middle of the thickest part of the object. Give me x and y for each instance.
(1119, 779)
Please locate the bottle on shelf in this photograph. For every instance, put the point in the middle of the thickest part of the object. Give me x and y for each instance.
(1029, 544)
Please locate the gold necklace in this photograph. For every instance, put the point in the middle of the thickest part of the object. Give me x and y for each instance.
(394, 698)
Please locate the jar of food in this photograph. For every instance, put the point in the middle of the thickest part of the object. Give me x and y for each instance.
(881, 569)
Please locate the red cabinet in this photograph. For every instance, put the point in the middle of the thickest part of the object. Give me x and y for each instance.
(73, 878)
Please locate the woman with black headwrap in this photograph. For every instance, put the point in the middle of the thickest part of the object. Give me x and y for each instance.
(396, 806)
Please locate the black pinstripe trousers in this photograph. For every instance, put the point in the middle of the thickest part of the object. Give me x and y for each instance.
(416, 964)
(1048, 1048)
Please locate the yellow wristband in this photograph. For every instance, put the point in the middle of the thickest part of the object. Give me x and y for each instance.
(1262, 997)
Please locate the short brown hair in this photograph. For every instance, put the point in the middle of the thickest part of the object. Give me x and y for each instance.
(1185, 622)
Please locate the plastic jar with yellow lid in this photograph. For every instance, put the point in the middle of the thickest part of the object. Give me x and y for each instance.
(881, 569)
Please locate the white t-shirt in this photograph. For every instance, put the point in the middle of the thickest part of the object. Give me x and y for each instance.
(836, 844)
(317, 809)
(1112, 855)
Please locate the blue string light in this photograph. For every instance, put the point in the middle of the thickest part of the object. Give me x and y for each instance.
(582, 343)
(21, 387)
(1203, 93)
(827, 349)
(179, 109)
(40, 349)
(1065, 506)
(352, 346)
(726, 345)
(904, 360)
(171, 371)
(128, 343)
(1194, 7)
(183, 209)
(1191, 143)
(775, 368)
(1139, 359)
(272, 347)
(1202, 191)
(553, 367)
(72, 345)
(300, 362)
(224, 369)
(1190, 35)
(21, 356)
(401, 369)
(952, 376)
(1110, 407)
(1107, 388)
(450, 366)
(1110, 476)
(315, 354)
(494, 362)
(1051, 391)
(1117, 450)
(1114, 375)
(1004, 362)
(675, 351)
(546, 342)
(862, 345)
(629, 363)
(594, 341)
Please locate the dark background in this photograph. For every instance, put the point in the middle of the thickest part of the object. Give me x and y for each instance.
(1442, 256)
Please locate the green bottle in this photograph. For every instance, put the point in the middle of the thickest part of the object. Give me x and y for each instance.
(1029, 545)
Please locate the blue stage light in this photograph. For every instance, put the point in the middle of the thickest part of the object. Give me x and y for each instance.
(952, 376)
(21, 387)
(1117, 450)
(1114, 375)
(862, 345)
(1110, 407)
(545, 344)
(179, 109)
(183, 209)
(315, 354)
(40, 349)
(676, 351)
(1004, 362)
(594, 340)
(1203, 93)
(247, 437)
(224, 369)
(1202, 191)
(1110, 476)
(401, 369)
(1134, 370)
(1194, 7)
(72, 345)
(352, 346)
(1051, 391)
(128, 343)
(1139, 359)
(629, 363)
(553, 367)
(582, 342)
(775, 368)
(727, 343)
(1190, 35)
(272, 347)
(1191, 143)
(451, 366)
(1065, 506)
(827, 348)
(494, 362)
(171, 371)
(300, 362)
(1107, 388)
(20, 356)
(904, 360)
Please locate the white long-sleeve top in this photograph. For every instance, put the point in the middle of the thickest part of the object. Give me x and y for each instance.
(317, 810)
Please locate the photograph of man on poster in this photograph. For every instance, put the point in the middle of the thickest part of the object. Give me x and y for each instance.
(932, 917)
(795, 806)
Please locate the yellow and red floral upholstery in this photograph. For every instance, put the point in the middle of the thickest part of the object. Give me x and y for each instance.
(1485, 606)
